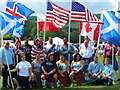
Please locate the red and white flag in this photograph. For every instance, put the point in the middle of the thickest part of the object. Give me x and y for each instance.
(92, 30)
(41, 24)
(57, 15)
(18, 42)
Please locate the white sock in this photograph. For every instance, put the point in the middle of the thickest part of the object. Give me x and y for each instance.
(86, 76)
(43, 82)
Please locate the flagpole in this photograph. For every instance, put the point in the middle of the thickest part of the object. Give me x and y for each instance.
(1, 39)
(69, 31)
(46, 4)
(98, 41)
(113, 55)
(37, 28)
(79, 40)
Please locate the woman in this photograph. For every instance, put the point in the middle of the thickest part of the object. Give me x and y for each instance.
(108, 73)
(24, 75)
(49, 69)
(76, 74)
(63, 68)
(36, 68)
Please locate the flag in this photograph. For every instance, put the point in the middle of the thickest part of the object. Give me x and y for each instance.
(18, 9)
(41, 24)
(11, 24)
(109, 30)
(18, 42)
(57, 15)
(80, 13)
(91, 30)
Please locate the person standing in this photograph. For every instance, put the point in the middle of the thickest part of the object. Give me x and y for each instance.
(7, 59)
(86, 52)
(65, 50)
(28, 48)
(108, 51)
(51, 48)
(36, 49)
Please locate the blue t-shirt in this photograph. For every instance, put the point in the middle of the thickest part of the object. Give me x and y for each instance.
(107, 70)
(95, 67)
(6, 54)
(76, 66)
(49, 66)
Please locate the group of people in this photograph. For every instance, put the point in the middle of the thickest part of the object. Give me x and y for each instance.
(46, 64)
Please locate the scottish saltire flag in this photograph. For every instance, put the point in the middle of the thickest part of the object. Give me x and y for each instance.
(18, 9)
(110, 29)
(80, 13)
(57, 15)
(11, 24)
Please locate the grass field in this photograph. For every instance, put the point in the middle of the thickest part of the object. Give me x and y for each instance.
(86, 87)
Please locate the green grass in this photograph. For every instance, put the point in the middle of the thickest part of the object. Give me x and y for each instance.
(86, 87)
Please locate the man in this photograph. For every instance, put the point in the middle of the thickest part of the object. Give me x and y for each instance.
(7, 59)
(50, 47)
(67, 50)
(94, 70)
(86, 52)
(108, 51)
(28, 50)
(41, 43)
(36, 49)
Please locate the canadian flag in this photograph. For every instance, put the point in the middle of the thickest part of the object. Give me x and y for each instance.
(41, 24)
(92, 30)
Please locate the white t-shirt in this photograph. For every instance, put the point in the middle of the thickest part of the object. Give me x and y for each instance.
(86, 52)
(23, 68)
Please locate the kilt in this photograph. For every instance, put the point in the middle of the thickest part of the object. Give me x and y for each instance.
(64, 80)
(49, 78)
(79, 77)
(23, 81)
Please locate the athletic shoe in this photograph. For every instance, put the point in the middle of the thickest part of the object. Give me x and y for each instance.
(71, 85)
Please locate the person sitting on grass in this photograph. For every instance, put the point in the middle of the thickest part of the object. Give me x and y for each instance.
(108, 73)
(36, 68)
(76, 74)
(49, 75)
(63, 68)
(24, 75)
(94, 70)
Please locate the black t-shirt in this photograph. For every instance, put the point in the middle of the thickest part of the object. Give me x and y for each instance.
(49, 66)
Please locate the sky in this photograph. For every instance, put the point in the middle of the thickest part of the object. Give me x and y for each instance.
(95, 6)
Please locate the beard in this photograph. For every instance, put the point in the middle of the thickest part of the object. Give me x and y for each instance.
(65, 42)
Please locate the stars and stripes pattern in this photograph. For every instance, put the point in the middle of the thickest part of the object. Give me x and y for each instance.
(80, 13)
(57, 15)
(18, 42)
(36, 50)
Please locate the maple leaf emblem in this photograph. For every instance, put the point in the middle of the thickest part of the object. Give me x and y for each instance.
(88, 28)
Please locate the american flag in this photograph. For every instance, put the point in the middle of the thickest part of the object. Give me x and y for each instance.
(17, 9)
(57, 15)
(18, 42)
(81, 13)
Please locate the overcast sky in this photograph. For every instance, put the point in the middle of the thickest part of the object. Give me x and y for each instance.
(94, 6)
